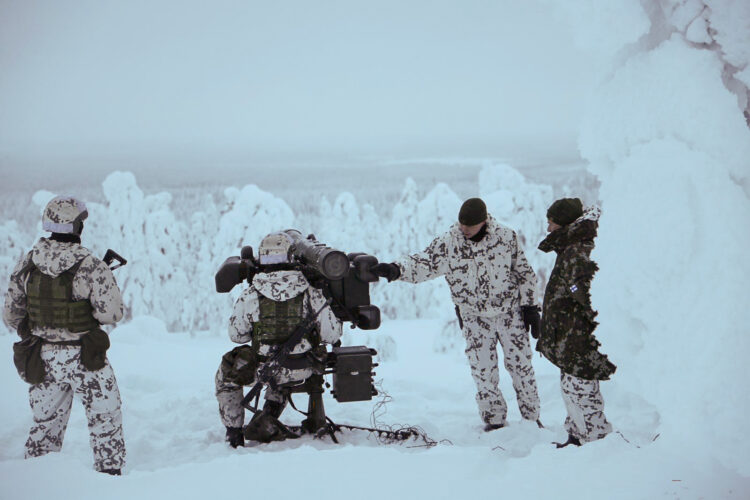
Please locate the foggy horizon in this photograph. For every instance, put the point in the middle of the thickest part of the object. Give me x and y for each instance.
(233, 81)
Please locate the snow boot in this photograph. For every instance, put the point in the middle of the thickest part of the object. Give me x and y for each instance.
(234, 437)
(111, 472)
(273, 408)
(492, 427)
(571, 440)
(265, 425)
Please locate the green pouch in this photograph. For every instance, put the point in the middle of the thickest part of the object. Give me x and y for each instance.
(27, 356)
(239, 365)
(94, 347)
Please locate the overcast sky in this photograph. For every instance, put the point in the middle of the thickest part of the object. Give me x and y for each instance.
(221, 78)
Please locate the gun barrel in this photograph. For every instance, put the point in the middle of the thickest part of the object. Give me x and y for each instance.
(331, 263)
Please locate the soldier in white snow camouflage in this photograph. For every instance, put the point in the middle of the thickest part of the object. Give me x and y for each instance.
(492, 286)
(265, 315)
(59, 295)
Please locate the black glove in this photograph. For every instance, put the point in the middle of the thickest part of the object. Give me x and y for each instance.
(388, 271)
(532, 320)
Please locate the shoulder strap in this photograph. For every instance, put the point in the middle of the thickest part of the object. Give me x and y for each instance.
(30, 266)
(74, 268)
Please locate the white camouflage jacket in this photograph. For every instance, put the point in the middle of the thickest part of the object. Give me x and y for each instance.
(486, 278)
(93, 282)
(281, 286)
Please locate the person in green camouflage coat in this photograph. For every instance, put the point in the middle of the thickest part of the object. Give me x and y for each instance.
(568, 320)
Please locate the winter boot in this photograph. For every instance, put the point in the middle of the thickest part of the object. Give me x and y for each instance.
(571, 440)
(234, 437)
(111, 472)
(492, 427)
(265, 425)
(273, 408)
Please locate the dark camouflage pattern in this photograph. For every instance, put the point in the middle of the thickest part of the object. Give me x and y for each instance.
(585, 406)
(489, 281)
(568, 320)
(486, 278)
(481, 351)
(279, 286)
(52, 399)
(93, 282)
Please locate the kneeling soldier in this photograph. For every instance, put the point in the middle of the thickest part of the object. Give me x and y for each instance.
(59, 295)
(266, 314)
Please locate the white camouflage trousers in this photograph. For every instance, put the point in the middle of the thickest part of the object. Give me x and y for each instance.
(585, 405)
(52, 399)
(230, 395)
(482, 335)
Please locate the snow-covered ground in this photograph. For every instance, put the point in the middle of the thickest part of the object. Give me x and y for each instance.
(176, 449)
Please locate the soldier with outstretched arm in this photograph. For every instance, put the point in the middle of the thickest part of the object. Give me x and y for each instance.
(492, 286)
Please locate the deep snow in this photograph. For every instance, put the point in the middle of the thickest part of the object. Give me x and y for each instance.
(176, 450)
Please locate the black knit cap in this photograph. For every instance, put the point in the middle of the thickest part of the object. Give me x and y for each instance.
(472, 212)
(565, 211)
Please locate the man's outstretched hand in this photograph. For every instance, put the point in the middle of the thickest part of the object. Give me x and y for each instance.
(388, 271)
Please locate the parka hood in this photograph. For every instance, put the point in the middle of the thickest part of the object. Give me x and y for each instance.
(55, 257)
(581, 229)
(280, 285)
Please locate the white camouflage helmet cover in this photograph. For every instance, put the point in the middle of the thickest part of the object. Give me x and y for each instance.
(274, 249)
(63, 214)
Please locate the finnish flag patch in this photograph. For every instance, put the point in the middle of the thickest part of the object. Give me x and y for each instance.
(573, 289)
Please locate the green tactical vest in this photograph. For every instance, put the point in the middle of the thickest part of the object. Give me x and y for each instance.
(277, 320)
(49, 302)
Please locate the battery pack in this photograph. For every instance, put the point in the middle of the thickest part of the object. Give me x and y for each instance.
(352, 375)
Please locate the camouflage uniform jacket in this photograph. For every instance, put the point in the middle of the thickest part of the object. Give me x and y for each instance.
(281, 286)
(93, 282)
(567, 336)
(486, 278)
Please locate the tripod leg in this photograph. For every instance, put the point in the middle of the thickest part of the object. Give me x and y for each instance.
(316, 415)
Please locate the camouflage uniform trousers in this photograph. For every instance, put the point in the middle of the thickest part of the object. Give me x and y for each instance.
(52, 399)
(482, 335)
(230, 395)
(585, 405)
